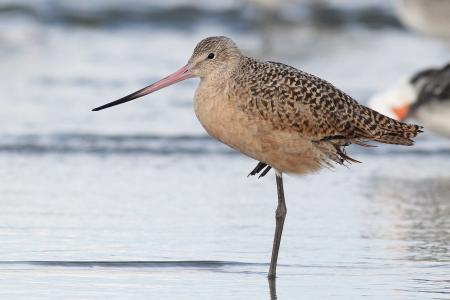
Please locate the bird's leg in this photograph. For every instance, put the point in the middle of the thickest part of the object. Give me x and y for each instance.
(280, 215)
(267, 169)
(273, 288)
(259, 167)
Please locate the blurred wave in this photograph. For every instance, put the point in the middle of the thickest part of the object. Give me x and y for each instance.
(148, 144)
(72, 143)
(238, 14)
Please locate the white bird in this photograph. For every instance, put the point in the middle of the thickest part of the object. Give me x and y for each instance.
(431, 17)
(425, 97)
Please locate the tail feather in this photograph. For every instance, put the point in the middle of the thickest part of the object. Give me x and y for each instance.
(394, 139)
(366, 125)
(389, 131)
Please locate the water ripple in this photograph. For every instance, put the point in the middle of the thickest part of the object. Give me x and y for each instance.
(73, 143)
(135, 264)
(143, 144)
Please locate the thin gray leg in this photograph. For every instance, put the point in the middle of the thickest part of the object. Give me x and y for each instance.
(273, 288)
(280, 215)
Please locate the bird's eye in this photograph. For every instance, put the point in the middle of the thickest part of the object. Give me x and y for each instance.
(211, 56)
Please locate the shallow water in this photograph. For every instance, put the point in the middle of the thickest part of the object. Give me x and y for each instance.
(195, 227)
(137, 202)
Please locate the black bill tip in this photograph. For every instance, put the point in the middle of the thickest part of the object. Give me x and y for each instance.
(122, 100)
(117, 102)
(99, 108)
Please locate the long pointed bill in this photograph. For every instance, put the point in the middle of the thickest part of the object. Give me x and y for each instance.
(179, 75)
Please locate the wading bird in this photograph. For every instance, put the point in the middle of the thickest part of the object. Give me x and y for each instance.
(285, 118)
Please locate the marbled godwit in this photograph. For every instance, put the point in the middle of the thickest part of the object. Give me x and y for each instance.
(287, 119)
(425, 96)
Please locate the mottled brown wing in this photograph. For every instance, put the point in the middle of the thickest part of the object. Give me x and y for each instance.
(298, 101)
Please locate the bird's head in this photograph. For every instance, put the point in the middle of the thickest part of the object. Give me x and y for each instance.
(212, 57)
(403, 100)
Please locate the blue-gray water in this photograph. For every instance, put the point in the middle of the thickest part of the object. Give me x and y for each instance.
(136, 202)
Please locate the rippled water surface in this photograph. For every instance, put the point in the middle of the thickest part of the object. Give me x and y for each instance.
(136, 202)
